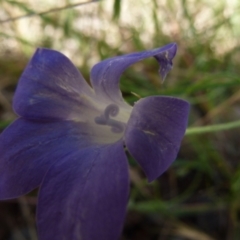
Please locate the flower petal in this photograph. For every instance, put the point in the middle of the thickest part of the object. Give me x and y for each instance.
(154, 132)
(28, 149)
(50, 88)
(85, 195)
(105, 75)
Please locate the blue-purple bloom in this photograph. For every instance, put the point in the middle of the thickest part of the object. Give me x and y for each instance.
(69, 139)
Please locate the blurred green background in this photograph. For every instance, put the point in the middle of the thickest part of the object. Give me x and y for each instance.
(198, 198)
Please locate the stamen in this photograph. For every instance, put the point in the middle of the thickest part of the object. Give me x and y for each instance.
(111, 110)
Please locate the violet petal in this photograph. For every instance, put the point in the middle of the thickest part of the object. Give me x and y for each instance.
(154, 132)
(85, 195)
(106, 74)
(50, 88)
(29, 148)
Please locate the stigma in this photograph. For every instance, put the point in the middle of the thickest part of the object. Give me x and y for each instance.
(112, 110)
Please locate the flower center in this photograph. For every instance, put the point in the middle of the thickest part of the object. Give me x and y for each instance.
(111, 110)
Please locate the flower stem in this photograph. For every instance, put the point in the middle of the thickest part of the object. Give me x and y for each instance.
(212, 128)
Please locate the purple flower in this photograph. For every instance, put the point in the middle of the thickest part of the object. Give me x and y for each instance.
(70, 139)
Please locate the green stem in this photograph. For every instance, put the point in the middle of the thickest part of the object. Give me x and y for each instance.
(212, 128)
